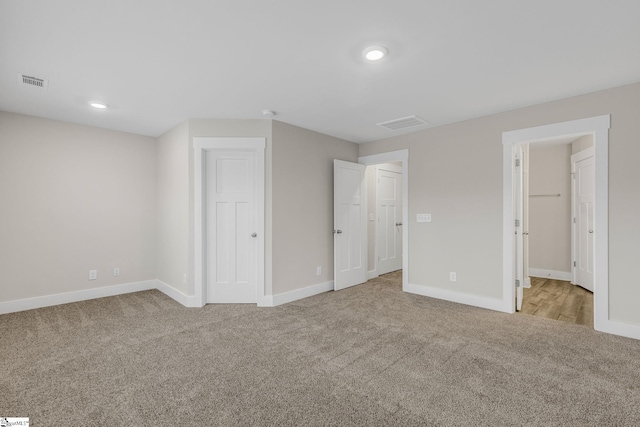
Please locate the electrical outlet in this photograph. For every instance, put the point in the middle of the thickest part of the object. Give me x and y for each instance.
(116, 271)
(452, 276)
(319, 271)
(93, 274)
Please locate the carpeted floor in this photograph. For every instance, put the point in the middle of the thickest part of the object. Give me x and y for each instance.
(367, 356)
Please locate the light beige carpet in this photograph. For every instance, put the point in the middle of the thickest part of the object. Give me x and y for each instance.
(367, 356)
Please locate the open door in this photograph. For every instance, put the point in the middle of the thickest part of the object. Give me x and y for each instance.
(518, 187)
(583, 171)
(349, 225)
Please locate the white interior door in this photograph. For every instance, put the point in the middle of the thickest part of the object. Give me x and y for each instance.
(518, 235)
(349, 222)
(583, 169)
(231, 250)
(389, 220)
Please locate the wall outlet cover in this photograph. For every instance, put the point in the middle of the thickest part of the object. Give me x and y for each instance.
(423, 217)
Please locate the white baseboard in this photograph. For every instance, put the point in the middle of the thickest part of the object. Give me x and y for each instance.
(372, 274)
(618, 328)
(551, 274)
(179, 296)
(68, 297)
(459, 297)
(265, 301)
(171, 292)
(297, 294)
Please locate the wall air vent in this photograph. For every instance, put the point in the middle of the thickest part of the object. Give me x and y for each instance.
(403, 123)
(34, 82)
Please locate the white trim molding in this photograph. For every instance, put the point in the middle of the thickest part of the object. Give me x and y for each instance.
(372, 274)
(457, 297)
(175, 294)
(301, 293)
(551, 274)
(75, 296)
(620, 328)
(599, 128)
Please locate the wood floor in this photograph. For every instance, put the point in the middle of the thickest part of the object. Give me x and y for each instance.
(559, 300)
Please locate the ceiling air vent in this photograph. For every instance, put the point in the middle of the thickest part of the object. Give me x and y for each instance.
(34, 82)
(403, 123)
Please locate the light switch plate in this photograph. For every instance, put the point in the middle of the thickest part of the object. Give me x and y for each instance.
(372, 217)
(423, 217)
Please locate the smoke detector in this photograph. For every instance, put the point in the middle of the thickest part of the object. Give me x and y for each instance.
(33, 82)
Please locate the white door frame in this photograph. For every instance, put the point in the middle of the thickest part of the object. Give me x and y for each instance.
(599, 128)
(200, 146)
(403, 157)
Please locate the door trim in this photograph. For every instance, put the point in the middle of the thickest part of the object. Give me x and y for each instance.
(200, 146)
(599, 128)
(397, 156)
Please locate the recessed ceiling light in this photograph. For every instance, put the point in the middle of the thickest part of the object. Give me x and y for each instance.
(99, 105)
(375, 53)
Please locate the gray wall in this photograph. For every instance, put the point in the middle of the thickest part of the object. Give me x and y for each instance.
(74, 198)
(172, 175)
(550, 217)
(455, 172)
(581, 144)
(303, 204)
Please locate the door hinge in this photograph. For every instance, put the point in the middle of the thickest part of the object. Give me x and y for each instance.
(517, 283)
(574, 219)
(517, 163)
(574, 263)
(518, 223)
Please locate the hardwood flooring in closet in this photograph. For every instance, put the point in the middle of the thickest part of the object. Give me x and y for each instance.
(559, 300)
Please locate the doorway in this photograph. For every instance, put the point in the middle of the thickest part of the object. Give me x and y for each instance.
(388, 202)
(557, 273)
(351, 249)
(512, 232)
(384, 218)
(229, 230)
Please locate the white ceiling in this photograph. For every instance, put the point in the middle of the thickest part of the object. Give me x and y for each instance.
(159, 62)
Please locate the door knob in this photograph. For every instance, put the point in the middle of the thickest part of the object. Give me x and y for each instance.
(590, 231)
(254, 235)
(339, 231)
(398, 224)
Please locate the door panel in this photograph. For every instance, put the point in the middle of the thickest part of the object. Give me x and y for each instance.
(584, 171)
(231, 219)
(349, 224)
(388, 227)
